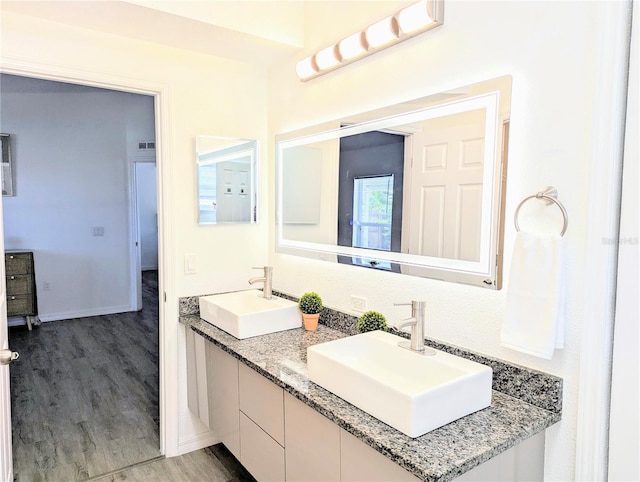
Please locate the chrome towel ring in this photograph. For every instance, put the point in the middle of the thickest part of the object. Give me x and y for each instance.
(549, 196)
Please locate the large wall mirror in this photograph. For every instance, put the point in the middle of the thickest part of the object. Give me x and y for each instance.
(414, 188)
(226, 180)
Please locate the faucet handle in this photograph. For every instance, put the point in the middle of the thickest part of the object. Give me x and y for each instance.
(267, 269)
(417, 307)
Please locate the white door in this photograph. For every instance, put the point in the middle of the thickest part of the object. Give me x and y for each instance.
(445, 207)
(6, 458)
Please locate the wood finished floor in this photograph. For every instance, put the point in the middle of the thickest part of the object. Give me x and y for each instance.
(84, 398)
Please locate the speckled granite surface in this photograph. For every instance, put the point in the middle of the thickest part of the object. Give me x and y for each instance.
(532, 386)
(440, 455)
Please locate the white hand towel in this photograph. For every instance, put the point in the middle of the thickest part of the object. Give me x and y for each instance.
(534, 317)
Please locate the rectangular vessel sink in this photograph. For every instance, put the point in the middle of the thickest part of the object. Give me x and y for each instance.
(244, 314)
(411, 392)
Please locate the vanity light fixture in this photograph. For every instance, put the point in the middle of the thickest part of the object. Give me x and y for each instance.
(414, 19)
(327, 58)
(353, 46)
(383, 32)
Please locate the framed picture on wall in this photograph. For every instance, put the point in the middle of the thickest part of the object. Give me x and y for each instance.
(7, 171)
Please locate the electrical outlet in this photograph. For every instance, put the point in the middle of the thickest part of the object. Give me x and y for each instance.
(358, 303)
(97, 230)
(46, 286)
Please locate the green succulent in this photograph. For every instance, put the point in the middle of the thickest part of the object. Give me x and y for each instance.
(370, 321)
(310, 303)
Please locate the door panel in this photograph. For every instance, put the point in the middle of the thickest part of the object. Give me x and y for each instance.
(6, 458)
(446, 186)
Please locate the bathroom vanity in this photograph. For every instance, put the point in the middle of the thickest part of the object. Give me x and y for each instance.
(255, 395)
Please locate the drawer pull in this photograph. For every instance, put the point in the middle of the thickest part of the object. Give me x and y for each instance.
(13, 297)
(13, 277)
(11, 257)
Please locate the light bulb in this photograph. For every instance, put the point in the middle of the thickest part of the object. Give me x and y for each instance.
(306, 68)
(352, 46)
(327, 58)
(414, 17)
(381, 32)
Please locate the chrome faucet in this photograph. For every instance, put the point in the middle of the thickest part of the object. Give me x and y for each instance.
(266, 279)
(416, 322)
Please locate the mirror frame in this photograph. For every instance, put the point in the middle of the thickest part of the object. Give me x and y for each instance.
(253, 151)
(494, 96)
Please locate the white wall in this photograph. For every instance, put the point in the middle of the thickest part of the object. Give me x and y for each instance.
(69, 148)
(200, 95)
(624, 435)
(548, 48)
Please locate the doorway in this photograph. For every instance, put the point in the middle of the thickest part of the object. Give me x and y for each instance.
(94, 316)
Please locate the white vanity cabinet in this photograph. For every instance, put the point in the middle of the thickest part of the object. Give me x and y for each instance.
(277, 437)
(261, 426)
(212, 389)
(319, 450)
(361, 463)
(222, 378)
(313, 443)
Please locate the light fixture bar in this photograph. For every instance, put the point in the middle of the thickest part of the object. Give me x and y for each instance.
(414, 19)
(381, 33)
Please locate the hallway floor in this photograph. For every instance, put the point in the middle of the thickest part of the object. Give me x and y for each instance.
(84, 399)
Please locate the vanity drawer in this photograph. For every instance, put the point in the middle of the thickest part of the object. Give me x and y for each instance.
(18, 284)
(17, 263)
(20, 305)
(263, 402)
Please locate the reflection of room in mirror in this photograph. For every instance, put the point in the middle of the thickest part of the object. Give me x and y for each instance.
(444, 210)
(446, 154)
(372, 208)
(226, 188)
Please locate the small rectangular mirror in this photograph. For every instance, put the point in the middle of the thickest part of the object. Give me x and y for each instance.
(7, 168)
(226, 180)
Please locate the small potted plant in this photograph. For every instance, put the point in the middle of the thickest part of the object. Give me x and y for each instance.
(310, 305)
(370, 321)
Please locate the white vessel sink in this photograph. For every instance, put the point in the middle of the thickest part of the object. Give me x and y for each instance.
(411, 392)
(244, 314)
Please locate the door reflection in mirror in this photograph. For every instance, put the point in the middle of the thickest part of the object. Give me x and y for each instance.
(226, 180)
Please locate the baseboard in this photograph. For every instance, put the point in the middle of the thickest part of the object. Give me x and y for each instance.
(16, 321)
(196, 442)
(69, 315)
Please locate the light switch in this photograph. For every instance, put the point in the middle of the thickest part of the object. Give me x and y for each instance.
(190, 264)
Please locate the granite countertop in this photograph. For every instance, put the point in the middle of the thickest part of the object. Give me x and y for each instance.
(440, 455)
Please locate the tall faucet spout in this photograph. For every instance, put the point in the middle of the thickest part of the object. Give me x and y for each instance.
(266, 279)
(416, 322)
(404, 323)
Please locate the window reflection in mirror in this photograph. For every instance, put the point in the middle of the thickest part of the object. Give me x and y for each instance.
(226, 180)
(413, 188)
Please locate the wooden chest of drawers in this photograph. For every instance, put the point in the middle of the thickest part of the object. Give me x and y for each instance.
(21, 285)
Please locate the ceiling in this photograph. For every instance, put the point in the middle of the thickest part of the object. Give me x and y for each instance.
(259, 32)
